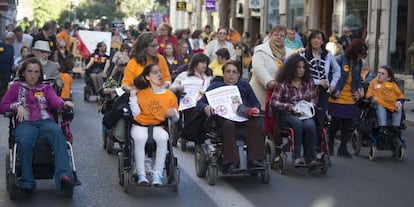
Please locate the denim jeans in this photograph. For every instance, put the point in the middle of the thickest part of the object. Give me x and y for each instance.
(382, 117)
(305, 132)
(26, 134)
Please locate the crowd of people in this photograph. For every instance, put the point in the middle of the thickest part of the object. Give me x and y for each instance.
(153, 65)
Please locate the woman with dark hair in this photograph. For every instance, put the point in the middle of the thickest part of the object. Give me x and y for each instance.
(294, 84)
(144, 52)
(173, 61)
(222, 56)
(324, 70)
(33, 103)
(165, 36)
(384, 90)
(342, 101)
(252, 128)
(98, 66)
(151, 106)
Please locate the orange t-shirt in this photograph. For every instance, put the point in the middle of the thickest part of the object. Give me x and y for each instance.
(387, 93)
(133, 69)
(67, 82)
(346, 94)
(64, 35)
(154, 106)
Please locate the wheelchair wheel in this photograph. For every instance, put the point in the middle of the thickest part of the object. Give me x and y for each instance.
(372, 154)
(11, 179)
(356, 142)
(86, 94)
(126, 181)
(281, 165)
(200, 161)
(325, 161)
(212, 172)
(400, 153)
(177, 180)
(121, 168)
(270, 149)
(183, 144)
(109, 144)
(265, 175)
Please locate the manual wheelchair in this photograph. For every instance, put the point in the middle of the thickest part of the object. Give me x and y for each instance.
(366, 133)
(208, 156)
(280, 141)
(43, 158)
(126, 165)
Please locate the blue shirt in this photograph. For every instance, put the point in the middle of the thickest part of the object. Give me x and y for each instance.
(6, 58)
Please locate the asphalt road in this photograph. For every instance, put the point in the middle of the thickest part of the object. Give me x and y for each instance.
(349, 182)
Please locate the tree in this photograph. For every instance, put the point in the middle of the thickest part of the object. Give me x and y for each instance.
(45, 10)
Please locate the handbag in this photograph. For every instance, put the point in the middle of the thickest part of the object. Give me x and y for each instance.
(305, 109)
(111, 118)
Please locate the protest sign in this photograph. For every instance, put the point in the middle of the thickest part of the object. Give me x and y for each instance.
(225, 100)
(193, 90)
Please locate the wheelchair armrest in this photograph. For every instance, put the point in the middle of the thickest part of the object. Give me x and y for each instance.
(9, 114)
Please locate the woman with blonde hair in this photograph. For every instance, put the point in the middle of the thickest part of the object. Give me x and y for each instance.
(267, 59)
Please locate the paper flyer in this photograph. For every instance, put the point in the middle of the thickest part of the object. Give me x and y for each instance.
(193, 90)
(225, 101)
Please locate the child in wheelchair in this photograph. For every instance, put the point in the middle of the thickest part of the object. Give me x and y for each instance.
(151, 106)
(384, 91)
(34, 103)
(382, 112)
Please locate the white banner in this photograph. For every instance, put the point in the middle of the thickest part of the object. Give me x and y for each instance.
(92, 38)
(225, 101)
(193, 89)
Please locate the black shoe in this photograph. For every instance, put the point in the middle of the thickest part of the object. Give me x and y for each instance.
(344, 153)
(232, 167)
(255, 164)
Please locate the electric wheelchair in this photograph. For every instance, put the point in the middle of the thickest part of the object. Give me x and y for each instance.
(209, 155)
(43, 158)
(88, 89)
(126, 165)
(366, 133)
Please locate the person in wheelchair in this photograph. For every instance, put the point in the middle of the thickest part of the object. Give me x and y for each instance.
(33, 103)
(151, 105)
(385, 91)
(97, 67)
(252, 128)
(295, 84)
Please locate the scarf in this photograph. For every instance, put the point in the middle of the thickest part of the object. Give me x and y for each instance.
(278, 52)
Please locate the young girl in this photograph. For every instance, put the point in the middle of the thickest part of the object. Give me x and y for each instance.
(385, 91)
(151, 105)
(295, 84)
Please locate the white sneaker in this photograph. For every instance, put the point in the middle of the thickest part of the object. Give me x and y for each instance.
(142, 179)
(156, 179)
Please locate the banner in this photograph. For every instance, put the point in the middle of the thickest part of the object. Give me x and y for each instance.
(225, 100)
(87, 41)
(193, 89)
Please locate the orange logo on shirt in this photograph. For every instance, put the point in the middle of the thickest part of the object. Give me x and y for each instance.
(1, 49)
(51, 44)
(38, 94)
(186, 60)
(175, 62)
(162, 45)
(388, 84)
(279, 63)
(346, 68)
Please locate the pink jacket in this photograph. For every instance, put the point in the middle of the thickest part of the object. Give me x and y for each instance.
(38, 102)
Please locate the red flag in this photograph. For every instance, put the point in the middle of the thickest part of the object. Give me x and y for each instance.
(81, 47)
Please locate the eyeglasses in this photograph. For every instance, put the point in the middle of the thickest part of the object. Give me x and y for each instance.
(62, 46)
(222, 33)
(155, 72)
(231, 72)
(381, 73)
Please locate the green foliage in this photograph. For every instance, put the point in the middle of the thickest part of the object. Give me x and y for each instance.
(45, 10)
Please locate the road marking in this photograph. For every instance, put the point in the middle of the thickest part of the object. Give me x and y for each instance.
(222, 194)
